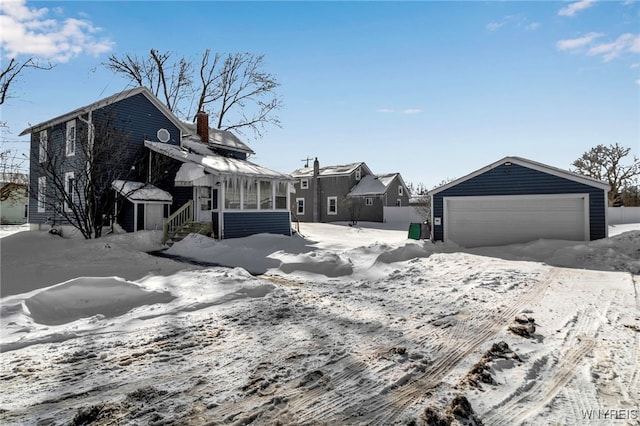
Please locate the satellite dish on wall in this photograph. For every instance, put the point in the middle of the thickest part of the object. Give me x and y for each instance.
(163, 135)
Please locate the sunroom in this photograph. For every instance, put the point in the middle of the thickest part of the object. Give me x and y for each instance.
(234, 197)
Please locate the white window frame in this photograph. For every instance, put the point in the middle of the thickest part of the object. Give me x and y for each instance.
(358, 173)
(70, 139)
(368, 201)
(42, 191)
(69, 176)
(44, 141)
(335, 211)
(304, 183)
(399, 202)
(298, 205)
(400, 191)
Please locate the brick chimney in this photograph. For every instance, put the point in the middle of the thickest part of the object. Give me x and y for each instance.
(202, 126)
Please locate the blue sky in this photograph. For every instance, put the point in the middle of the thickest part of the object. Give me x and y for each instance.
(433, 90)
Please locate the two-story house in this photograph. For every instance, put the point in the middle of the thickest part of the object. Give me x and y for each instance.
(345, 193)
(168, 172)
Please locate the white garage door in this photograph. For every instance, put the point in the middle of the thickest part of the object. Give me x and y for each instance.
(500, 220)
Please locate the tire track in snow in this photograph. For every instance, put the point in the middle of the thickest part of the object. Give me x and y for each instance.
(385, 408)
(579, 343)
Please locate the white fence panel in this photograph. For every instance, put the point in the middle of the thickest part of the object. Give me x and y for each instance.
(620, 215)
(406, 214)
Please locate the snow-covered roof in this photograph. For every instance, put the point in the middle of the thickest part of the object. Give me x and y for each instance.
(529, 164)
(140, 192)
(216, 164)
(220, 138)
(373, 185)
(339, 170)
(104, 102)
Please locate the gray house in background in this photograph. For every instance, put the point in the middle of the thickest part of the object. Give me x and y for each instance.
(345, 193)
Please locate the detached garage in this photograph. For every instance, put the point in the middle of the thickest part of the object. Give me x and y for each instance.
(516, 200)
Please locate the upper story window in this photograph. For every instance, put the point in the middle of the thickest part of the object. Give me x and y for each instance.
(42, 152)
(71, 138)
(400, 191)
(358, 173)
(304, 183)
(332, 205)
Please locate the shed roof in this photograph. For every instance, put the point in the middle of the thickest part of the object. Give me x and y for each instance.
(529, 164)
(141, 192)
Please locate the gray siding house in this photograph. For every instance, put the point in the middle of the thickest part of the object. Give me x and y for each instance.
(181, 173)
(516, 200)
(345, 193)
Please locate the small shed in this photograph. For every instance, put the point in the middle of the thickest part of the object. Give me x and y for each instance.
(516, 200)
(142, 206)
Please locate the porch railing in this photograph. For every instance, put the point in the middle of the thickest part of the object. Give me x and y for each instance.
(177, 220)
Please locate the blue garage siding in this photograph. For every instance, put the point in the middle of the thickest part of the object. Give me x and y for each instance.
(520, 180)
(244, 224)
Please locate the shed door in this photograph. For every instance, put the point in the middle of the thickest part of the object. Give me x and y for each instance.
(154, 216)
(500, 220)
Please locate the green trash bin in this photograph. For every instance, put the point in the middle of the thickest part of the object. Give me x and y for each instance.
(415, 231)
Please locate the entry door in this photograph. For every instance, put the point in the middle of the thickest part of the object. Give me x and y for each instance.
(207, 205)
(154, 216)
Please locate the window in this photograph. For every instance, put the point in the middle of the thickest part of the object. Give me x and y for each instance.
(232, 195)
(250, 198)
(204, 193)
(69, 187)
(332, 205)
(281, 195)
(304, 183)
(71, 138)
(400, 192)
(266, 195)
(300, 206)
(398, 202)
(368, 201)
(358, 173)
(43, 146)
(42, 188)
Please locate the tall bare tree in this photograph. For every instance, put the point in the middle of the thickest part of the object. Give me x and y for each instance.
(13, 69)
(606, 163)
(78, 188)
(232, 88)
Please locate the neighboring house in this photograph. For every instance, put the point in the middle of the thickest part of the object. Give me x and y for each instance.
(346, 193)
(13, 199)
(516, 200)
(196, 173)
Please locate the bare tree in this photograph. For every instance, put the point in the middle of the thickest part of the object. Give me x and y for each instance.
(232, 88)
(13, 69)
(354, 208)
(78, 188)
(606, 163)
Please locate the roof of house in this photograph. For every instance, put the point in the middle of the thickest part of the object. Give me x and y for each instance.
(373, 185)
(530, 164)
(340, 170)
(140, 192)
(213, 163)
(105, 102)
(218, 138)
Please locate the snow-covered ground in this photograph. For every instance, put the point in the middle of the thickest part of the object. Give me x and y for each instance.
(337, 325)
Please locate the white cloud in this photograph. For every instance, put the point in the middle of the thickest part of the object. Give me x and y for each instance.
(576, 43)
(638, 82)
(30, 31)
(412, 111)
(576, 7)
(533, 26)
(494, 26)
(634, 66)
(384, 110)
(515, 21)
(625, 43)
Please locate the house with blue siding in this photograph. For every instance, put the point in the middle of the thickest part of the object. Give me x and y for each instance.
(168, 174)
(516, 200)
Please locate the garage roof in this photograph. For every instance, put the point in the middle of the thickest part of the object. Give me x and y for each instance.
(532, 165)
